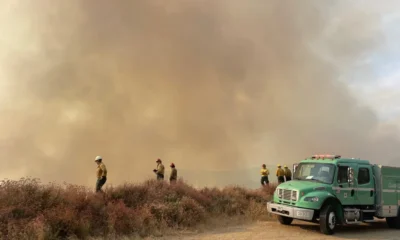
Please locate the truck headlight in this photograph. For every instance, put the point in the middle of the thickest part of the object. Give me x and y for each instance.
(311, 199)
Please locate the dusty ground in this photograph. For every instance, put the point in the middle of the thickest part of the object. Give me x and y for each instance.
(298, 230)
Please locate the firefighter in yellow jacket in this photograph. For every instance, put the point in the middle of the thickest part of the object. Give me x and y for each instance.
(174, 174)
(264, 175)
(288, 173)
(101, 173)
(160, 170)
(280, 174)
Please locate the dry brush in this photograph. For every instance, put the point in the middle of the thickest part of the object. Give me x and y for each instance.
(31, 210)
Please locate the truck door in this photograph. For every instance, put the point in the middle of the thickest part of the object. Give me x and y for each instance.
(345, 192)
(398, 192)
(365, 185)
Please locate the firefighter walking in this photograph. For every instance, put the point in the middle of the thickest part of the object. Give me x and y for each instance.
(160, 170)
(264, 175)
(174, 174)
(101, 173)
(280, 174)
(288, 174)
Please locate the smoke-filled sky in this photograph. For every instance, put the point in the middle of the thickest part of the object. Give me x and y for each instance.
(205, 84)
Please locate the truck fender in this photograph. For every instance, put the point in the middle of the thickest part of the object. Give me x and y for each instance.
(331, 200)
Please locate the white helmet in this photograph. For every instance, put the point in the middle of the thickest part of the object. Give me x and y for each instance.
(98, 158)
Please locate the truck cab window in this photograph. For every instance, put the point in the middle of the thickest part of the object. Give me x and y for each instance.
(342, 175)
(317, 172)
(363, 176)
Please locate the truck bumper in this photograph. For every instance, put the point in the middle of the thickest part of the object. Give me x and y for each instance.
(292, 212)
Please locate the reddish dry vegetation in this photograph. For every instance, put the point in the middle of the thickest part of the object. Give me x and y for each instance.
(30, 210)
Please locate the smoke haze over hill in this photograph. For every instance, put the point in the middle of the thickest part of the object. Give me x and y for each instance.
(204, 84)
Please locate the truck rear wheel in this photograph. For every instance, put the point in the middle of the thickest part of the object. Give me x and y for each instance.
(327, 220)
(285, 220)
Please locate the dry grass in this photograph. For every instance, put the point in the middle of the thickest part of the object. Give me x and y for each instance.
(30, 210)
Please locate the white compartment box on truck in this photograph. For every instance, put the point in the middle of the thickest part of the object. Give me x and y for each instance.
(387, 185)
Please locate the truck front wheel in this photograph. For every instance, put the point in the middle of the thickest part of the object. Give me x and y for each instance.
(285, 220)
(393, 222)
(327, 220)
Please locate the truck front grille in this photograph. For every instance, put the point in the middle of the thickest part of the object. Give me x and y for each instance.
(287, 195)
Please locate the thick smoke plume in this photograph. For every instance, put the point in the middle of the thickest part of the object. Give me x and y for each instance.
(204, 84)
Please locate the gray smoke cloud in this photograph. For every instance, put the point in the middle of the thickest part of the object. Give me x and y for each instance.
(203, 84)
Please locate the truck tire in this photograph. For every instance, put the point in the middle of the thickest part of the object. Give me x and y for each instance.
(327, 220)
(285, 220)
(393, 222)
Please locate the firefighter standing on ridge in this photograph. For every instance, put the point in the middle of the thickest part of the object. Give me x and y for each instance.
(264, 175)
(288, 173)
(280, 174)
(160, 170)
(174, 174)
(101, 173)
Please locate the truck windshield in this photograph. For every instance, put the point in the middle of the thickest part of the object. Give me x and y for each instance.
(320, 172)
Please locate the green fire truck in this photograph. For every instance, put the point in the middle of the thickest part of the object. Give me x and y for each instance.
(331, 190)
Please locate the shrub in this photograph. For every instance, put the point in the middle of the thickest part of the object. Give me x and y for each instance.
(31, 210)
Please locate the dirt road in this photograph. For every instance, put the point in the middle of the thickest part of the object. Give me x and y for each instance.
(298, 230)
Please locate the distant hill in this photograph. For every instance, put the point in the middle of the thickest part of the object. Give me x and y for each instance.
(248, 177)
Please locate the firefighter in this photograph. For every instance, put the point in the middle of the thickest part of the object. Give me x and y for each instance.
(101, 173)
(288, 173)
(160, 170)
(280, 174)
(264, 175)
(174, 174)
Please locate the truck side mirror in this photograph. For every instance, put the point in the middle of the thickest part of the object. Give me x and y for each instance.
(350, 175)
(294, 168)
